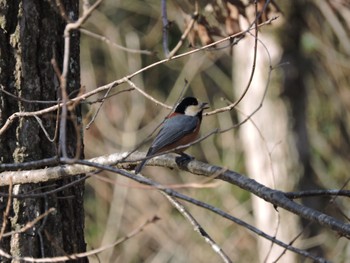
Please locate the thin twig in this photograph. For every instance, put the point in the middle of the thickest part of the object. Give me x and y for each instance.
(29, 225)
(314, 193)
(215, 131)
(186, 32)
(85, 254)
(66, 56)
(109, 96)
(7, 211)
(45, 194)
(2, 89)
(216, 210)
(41, 228)
(102, 100)
(44, 130)
(310, 223)
(198, 228)
(109, 42)
(30, 165)
(165, 28)
(157, 102)
(200, 185)
(275, 197)
(63, 13)
(115, 83)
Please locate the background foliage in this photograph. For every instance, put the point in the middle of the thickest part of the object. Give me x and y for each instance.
(125, 120)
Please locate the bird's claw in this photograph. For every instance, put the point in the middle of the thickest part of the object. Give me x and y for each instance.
(183, 160)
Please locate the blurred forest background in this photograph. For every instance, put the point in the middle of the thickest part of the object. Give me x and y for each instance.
(299, 139)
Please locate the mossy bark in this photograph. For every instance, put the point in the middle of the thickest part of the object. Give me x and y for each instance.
(31, 35)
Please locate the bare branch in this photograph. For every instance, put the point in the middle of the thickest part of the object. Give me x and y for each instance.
(44, 130)
(67, 31)
(85, 254)
(157, 102)
(109, 42)
(275, 197)
(31, 224)
(197, 227)
(102, 100)
(165, 28)
(115, 83)
(186, 32)
(211, 208)
(7, 211)
(313, 193)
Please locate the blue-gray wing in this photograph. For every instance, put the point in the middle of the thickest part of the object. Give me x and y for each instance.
(173, 129)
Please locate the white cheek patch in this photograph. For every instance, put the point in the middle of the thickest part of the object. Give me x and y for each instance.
(192, 110)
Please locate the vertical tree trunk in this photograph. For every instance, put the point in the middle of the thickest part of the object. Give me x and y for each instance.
(295, 93)
(269, 159)
(31, 35)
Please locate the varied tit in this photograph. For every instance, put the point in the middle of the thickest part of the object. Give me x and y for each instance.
(180, 128)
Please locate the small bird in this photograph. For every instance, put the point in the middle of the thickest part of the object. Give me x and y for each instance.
(180, 128)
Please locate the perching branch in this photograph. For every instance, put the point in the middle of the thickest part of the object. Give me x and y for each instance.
(275, 197)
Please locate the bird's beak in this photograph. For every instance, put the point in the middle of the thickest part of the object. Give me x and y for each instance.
(204, 105)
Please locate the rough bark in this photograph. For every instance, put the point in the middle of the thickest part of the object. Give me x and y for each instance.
(31, 34)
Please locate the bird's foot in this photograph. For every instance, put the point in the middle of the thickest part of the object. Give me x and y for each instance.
(184, 159)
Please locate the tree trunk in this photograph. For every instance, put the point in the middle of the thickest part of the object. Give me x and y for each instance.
(295, 93)
(269, 159)
(31, 35)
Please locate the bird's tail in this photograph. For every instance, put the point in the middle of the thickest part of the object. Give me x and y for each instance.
(140, 166)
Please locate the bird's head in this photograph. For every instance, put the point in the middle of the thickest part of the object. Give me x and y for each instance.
(191, 106)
